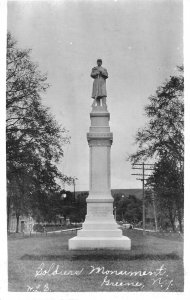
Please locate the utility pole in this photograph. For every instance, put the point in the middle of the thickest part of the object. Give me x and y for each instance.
(143, 168)
(155, 213)
(144, 219)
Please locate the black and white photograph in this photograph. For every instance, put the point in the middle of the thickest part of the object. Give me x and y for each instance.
(95, 147)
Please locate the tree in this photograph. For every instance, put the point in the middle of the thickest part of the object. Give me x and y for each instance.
(168, 190)
(128, 208)
(66, 206)
(81, 207)
(164, 131)
(34, 139)
(18, 197)
(162, 139)
(150, 205)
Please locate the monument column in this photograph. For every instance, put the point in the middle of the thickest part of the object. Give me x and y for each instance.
(100, 229)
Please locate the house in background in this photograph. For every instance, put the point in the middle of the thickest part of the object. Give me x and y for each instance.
(25, 224)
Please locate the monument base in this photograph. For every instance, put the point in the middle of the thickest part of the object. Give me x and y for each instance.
(93, 243)
(99, 233)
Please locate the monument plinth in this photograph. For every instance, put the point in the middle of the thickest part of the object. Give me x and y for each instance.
(100, 230)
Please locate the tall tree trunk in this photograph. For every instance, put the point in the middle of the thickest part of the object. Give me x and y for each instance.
(8, 222)
(180, 221)
(155, 212)
(17, 222)
(172, 219)
(8, 212)
(180, 207)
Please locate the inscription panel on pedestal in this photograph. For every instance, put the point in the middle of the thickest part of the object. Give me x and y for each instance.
(100, 211)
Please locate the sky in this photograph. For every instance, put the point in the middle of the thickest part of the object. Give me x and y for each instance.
(140, 43)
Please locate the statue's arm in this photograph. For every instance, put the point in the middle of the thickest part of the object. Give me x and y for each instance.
(104, 73)
(94, 73)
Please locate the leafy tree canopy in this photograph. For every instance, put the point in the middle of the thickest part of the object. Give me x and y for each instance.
(34, 138)
(163, 134)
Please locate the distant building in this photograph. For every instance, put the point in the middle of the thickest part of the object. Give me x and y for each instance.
(25, 224)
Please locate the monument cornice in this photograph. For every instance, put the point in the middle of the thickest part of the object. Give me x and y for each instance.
(100, 136)
(100, 114)
(100, 143)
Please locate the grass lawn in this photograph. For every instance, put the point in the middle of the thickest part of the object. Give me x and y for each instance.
(44, 263)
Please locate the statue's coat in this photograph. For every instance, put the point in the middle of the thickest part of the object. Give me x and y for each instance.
(99, 84)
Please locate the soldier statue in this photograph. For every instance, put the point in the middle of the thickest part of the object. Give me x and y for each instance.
(99, 85)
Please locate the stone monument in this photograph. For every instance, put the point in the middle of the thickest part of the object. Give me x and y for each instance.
(100, 230)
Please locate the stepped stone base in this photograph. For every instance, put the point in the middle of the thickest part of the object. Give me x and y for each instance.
(92, 243)
(100, 234)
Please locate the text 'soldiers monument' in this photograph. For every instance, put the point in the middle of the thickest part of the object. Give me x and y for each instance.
(100, 230)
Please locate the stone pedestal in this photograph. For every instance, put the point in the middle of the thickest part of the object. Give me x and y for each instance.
(100, 230)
